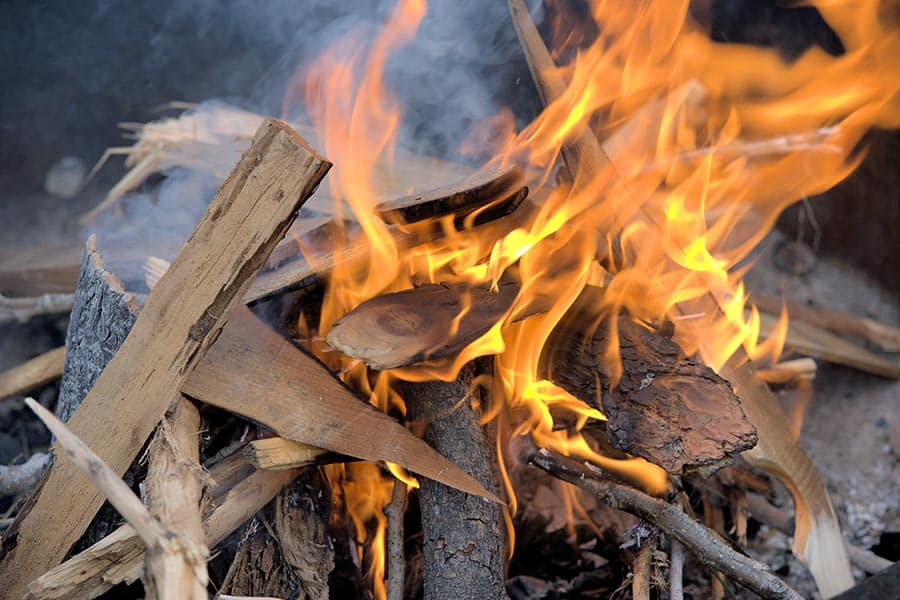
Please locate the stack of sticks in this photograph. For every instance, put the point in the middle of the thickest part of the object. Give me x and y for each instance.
(194, 343)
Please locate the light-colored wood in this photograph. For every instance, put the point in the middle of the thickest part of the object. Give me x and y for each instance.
(23, 309)
(254, 372)
(165, 548)
(887, 337)
(817, 534)
(276, 454)
(119, 557)
(183, 316)
(33, 373)
(810, 339)
(172, 492)
(789, 370)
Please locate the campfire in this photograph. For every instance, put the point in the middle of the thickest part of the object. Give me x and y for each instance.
(368, 372)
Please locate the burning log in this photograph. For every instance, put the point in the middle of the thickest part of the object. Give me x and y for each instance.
(703, 543)
(489, 193)
(464, 537)
(666, 407)
(119, 557)
(33, 373)
(183, 315)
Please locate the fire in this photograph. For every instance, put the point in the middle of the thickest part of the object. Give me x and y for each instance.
(708, 143)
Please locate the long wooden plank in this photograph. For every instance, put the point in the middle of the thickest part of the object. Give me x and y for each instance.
(183, 316)
(33, 373)
(254, 372)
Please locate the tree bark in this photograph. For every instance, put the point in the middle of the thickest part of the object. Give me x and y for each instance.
(465, 542)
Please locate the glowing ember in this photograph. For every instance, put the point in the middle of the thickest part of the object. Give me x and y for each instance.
(708, 143)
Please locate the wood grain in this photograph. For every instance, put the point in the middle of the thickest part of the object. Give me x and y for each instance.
(183, 316)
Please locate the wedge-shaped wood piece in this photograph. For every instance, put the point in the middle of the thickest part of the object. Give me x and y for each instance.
(495, 191)
(254, 372)
(183, 316)
(278, 454)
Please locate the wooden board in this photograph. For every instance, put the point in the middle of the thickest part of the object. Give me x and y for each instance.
(254, 372)
(183, 315)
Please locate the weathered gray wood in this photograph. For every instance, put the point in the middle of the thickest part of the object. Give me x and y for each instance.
(102, 316)
(464, 544)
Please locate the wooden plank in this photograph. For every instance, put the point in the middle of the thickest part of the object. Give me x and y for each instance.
(33, 373)
(254, 372)
(183, 316)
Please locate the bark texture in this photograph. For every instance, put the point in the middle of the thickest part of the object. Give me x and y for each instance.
(102, 315)
(464, 539)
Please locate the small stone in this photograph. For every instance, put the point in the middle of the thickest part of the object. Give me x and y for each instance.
(66, 177)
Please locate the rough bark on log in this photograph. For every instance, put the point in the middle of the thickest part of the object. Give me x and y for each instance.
(297, 561)
(493, 192)
(183, 316)
(20, 479)
(102, 316)
(666, 407)
(464, 543)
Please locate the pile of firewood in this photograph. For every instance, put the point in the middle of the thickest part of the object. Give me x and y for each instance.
(222, 421)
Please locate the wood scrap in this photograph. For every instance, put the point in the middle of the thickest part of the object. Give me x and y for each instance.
(464, 543)
(182, 317)
(806, 338)
(172, 492)
(885, 336)
(278, 454)
(119, 557)
(789, 371)
(254, 372)
(642, 569)
(23, 309)
(395, 511)
(286, 551)
(33, 373)
(666, 407)
(16, 480)
(34, 271)
(164, 547)
(676, 570)
(490, 193)
(708, 547)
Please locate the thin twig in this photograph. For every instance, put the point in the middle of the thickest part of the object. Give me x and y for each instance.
(676, 570)
(396, 560)
(709, 548)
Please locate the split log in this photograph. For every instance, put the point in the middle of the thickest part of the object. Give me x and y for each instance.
(425, 323)
(172, 492)
(490, 193)
(254, 372)
(464, 544)
(395, 512)
(708, 547)
(182, 317)
(277, 454)
(119, 557)
(885, 336)
(665, 407)
(33, 373)
(102, 316)
(294, 559)
(50, 269)
(167, 551)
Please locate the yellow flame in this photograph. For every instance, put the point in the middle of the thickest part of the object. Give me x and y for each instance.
(709, 142)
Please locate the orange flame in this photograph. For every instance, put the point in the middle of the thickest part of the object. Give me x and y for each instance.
(709, 142)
